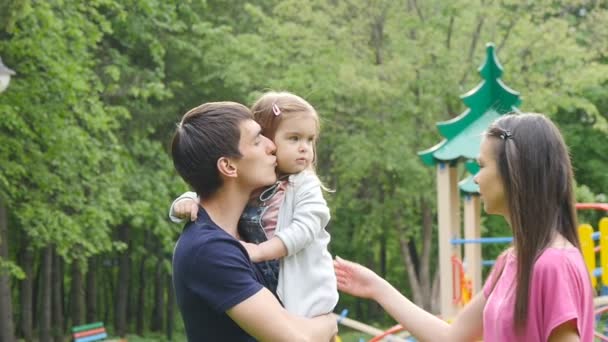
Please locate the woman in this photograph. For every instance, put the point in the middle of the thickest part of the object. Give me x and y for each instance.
(539, 289)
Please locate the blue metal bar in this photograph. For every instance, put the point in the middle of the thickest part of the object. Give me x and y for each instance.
(507, 239)
(488, 262)
(92, 338)
(597, 272)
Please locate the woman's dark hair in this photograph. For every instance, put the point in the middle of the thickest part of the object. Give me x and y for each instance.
(534, 164)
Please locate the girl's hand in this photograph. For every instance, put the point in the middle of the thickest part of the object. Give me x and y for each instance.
(253, 250)
(186, 207)
(355, 279)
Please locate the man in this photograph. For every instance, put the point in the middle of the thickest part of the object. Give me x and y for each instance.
(218, 150)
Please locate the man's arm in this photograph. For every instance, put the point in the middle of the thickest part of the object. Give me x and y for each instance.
(262, 317)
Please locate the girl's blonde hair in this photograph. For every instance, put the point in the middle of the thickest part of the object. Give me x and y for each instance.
(274, 106)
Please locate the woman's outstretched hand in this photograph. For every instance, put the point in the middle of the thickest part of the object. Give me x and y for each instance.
(355, 279)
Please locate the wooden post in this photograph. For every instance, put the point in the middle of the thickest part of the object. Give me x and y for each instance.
(472, 251)
(448, 213)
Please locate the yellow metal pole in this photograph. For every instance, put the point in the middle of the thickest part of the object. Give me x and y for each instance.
(584, 234)
(603, 228)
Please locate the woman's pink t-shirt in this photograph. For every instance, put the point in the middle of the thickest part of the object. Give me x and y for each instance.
(560, 291)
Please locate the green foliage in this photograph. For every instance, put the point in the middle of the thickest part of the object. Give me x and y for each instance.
(87, 120)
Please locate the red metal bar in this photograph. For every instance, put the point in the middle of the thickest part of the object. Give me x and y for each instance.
(89, 332)
(592, 206)
(395, 329)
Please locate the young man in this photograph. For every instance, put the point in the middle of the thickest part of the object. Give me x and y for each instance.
(219, 151)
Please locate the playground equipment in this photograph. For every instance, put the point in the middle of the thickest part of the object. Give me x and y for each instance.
(587, 237)
(590, 253)
(379, 335)
(462, 137)
(486, 102)
(356, 325)
(490, 99)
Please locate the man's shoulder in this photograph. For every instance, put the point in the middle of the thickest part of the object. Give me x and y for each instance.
(205, 237)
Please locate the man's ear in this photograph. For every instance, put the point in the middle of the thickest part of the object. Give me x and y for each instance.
(226, 167)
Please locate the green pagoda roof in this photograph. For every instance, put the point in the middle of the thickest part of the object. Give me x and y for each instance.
(467, 185)
(462, 135)
(490, 99)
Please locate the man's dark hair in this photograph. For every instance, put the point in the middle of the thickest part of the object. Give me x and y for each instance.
(204, 135)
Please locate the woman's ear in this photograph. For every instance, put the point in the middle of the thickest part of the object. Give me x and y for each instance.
(226, 167)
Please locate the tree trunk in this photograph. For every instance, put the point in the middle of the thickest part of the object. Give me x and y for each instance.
(370, 306)
(383, 255)
(91, 291)
(57, 279)
(170, 308)
(26, 289)
(77, 292)
(427, 246)
(141, 297)
(108, 292)
(141, 293)
(7, 328)
(411, 269)
(36, 292)
(159, 297)
(131, 301)
(418, 268)
(436, 295)
(45, 300)
(122, 287)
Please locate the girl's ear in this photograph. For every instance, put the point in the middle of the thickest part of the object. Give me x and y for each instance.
(226, 167)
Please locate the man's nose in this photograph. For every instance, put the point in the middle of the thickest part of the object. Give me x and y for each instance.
(271, 147)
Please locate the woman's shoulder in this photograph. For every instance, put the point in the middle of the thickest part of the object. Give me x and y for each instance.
(559, 259)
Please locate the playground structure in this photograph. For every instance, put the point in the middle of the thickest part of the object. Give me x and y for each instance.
(486, 102)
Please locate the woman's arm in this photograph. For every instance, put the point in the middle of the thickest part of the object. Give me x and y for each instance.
(565, 332)
(362, 282)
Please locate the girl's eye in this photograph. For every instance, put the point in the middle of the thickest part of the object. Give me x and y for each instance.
(294, 138)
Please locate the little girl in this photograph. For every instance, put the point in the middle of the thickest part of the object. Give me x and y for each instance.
(288, 219)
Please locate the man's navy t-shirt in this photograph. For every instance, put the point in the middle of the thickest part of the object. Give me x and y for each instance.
(211, 274)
